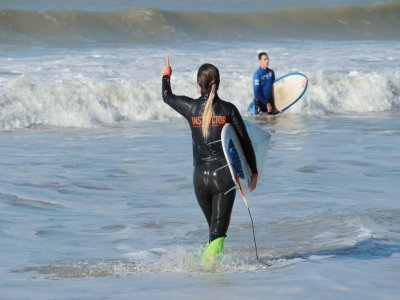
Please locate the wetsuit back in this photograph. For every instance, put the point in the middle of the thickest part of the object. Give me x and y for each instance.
(208, 157)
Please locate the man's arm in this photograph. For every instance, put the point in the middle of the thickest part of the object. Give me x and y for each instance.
(257, 88)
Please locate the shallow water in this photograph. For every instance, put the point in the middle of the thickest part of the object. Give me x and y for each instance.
(96, 195)
(110, 212)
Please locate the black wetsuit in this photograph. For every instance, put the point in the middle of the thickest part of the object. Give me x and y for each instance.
(211, 178)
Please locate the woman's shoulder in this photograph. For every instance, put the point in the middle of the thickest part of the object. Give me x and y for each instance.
(229, 107)
(227, 103)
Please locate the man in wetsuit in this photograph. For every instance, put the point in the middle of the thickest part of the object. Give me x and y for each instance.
(212, 180)
(263, 80)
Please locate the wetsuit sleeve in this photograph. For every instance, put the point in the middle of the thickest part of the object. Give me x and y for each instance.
(272, 88)
(257, 88)
(181, 104)
(240, 128)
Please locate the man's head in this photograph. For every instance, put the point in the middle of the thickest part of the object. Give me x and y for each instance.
(263, 59)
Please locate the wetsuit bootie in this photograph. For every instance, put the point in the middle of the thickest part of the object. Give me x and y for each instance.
(211, 251)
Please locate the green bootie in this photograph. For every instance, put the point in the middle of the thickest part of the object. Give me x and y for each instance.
(211, 251)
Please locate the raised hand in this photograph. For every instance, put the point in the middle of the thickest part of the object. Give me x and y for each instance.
(166, 69)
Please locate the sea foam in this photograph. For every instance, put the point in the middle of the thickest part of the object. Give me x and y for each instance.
(91, 102)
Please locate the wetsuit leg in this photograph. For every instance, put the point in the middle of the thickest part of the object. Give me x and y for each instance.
(210, 187)
(221, 217)
(259, 107)
(203, 194)
(263, 108)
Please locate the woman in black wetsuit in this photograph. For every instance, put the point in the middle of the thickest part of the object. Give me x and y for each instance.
(211, 178)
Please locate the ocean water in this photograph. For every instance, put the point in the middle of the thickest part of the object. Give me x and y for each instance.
(96, 195)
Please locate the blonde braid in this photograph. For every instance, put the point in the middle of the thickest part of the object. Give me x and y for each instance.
(207, 113)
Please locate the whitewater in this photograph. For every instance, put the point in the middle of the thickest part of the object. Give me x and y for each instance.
(89, 87)
(96, 194)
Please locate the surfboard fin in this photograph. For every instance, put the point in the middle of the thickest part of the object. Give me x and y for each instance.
(211, 251)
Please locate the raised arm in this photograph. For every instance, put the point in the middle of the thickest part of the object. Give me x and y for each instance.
(181, 104)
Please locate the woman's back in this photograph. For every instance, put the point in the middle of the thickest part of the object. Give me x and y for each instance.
(206, 149)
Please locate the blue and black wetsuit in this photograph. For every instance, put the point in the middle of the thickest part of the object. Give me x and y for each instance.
(263, 79)
(211, 178)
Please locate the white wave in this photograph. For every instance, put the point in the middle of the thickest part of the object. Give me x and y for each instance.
(83, 104)
(88, 102)
(354, 92)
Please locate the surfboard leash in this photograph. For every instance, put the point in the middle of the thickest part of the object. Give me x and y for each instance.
(252, 223)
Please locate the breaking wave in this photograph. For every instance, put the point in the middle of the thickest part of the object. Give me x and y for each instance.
(89, 102)
(143, 25)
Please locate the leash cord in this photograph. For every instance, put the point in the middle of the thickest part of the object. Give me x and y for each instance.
(252, 223)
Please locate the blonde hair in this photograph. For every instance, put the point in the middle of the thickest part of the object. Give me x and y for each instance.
(208, 80)
(207, 113)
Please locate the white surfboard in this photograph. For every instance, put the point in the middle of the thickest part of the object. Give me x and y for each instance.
(288, 89)
(234, 154)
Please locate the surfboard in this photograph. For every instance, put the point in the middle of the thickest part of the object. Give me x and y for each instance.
(288, 89)
(234, 153)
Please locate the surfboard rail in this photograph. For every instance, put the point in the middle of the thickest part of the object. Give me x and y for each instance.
(234, 154)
